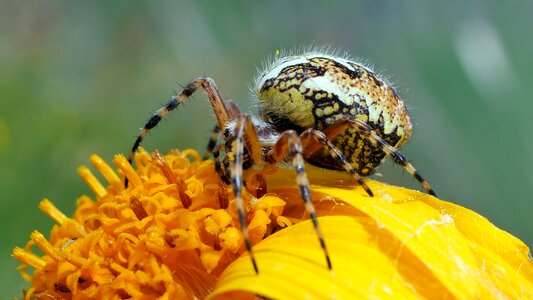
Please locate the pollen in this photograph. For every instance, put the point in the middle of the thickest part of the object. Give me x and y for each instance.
(169, 235)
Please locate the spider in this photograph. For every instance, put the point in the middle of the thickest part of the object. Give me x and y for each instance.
(315, 107)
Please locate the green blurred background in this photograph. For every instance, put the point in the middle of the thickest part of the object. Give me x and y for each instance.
(81, 77)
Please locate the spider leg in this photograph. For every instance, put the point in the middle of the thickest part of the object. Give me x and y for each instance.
(289, 147)
(215, 133)
(219, 165)
(233, 111)
(324, 140)
(244, 134)
(217, 103)
(387, 148)
(221, 171)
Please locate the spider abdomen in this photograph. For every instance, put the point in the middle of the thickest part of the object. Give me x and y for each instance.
(317, 91)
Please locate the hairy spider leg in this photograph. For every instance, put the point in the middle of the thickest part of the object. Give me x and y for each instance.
(287, 147)
(387, 148)
(222, 173)
(217, 103)
(213, 139)
(243, 128)
(219, 167)
(312, 137)
(233, 111)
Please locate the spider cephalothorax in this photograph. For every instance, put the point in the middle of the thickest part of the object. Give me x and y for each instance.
(315, 107)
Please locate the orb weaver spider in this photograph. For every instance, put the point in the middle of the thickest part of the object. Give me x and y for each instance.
(314, 107)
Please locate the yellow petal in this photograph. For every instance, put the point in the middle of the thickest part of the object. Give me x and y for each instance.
(400, 244)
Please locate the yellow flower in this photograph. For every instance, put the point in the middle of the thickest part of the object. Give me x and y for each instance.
(174, 234)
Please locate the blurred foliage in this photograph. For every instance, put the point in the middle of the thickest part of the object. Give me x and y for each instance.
(81, 77)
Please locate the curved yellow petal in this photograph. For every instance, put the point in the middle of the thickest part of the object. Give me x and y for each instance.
(400, 244)
(292, 266)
